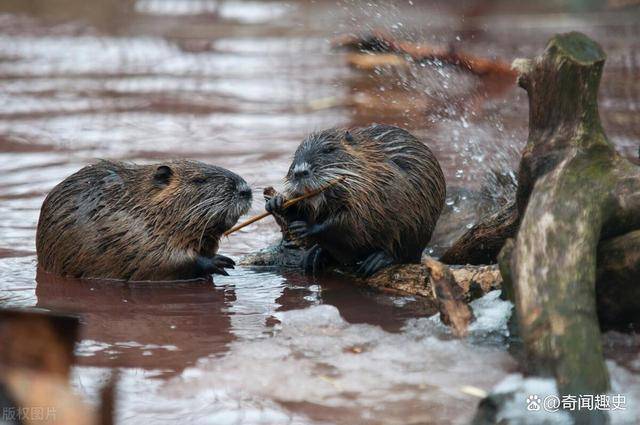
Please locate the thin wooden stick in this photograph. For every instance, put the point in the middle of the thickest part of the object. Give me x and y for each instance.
(286, 204)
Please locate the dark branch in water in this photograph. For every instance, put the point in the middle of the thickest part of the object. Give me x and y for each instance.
(392, 51)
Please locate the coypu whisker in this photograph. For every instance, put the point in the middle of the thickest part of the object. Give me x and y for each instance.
(196, 208)
(204, 229)
(204, 206)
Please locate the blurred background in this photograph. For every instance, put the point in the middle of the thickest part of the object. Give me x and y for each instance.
(239, 84)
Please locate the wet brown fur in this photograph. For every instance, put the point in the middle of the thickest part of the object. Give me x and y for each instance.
(132, 222)
(390, 200)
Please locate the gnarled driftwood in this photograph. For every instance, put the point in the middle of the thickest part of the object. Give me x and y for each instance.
(574, 193)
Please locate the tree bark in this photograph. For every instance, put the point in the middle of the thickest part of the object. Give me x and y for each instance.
(454, 311)
(482, 243)
(573, 191)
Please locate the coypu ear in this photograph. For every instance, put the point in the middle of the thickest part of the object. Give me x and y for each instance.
(348, 137)
(162, 175)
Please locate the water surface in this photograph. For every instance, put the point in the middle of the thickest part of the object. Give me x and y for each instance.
(238, 84)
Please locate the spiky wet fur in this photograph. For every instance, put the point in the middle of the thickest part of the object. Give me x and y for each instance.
(390, 200)
(116, 220)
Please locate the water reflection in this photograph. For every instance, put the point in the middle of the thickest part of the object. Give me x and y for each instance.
(171, 325)
(142, 325)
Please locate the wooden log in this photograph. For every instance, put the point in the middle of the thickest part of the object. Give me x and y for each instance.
(402, 279)
(482, 243)
(366, 62)
(573, 190)
(454, 311)
(553, 261)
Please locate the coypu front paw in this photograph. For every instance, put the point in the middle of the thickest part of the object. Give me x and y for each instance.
(302, 230)
(374, 263)
(215, 265)
(275, 204)
(314, 260)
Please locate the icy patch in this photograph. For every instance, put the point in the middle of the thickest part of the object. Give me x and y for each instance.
(138, 401)
(627, 384)
(89, 347)
(355, 371)
(492, 315)
(518, 392)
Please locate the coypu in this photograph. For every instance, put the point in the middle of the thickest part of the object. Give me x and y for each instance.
(140, 222)
(382, 213)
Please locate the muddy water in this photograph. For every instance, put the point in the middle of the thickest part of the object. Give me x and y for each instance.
(238, 84)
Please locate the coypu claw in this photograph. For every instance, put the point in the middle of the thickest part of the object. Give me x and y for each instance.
(224, 261)
(290, 244)
(374, 263)
(215, 265)
(220, 263)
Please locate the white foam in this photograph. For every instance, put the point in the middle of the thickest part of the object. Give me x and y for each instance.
(317, 357)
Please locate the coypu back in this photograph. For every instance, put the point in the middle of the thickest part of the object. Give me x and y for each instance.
(138, 222)
(390, 200)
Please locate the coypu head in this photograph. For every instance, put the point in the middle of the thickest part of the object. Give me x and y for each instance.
(206, 200)
(326, 156)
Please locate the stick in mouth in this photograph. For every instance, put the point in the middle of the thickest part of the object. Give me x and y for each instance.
(286, 204)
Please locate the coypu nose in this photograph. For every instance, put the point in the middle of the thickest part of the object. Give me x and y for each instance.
(301, 174)
(301, 171)
(244, 191)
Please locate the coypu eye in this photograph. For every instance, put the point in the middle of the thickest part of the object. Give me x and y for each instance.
(348, 137)
(199, 180)
(163, 174)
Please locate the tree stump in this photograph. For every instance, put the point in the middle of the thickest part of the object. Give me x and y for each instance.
(574, 190)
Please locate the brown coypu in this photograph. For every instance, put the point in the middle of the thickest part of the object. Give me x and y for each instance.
(140, 222)
(383, 212)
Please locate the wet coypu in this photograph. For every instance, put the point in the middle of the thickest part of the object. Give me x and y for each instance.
(382, 213)
(140, 222)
